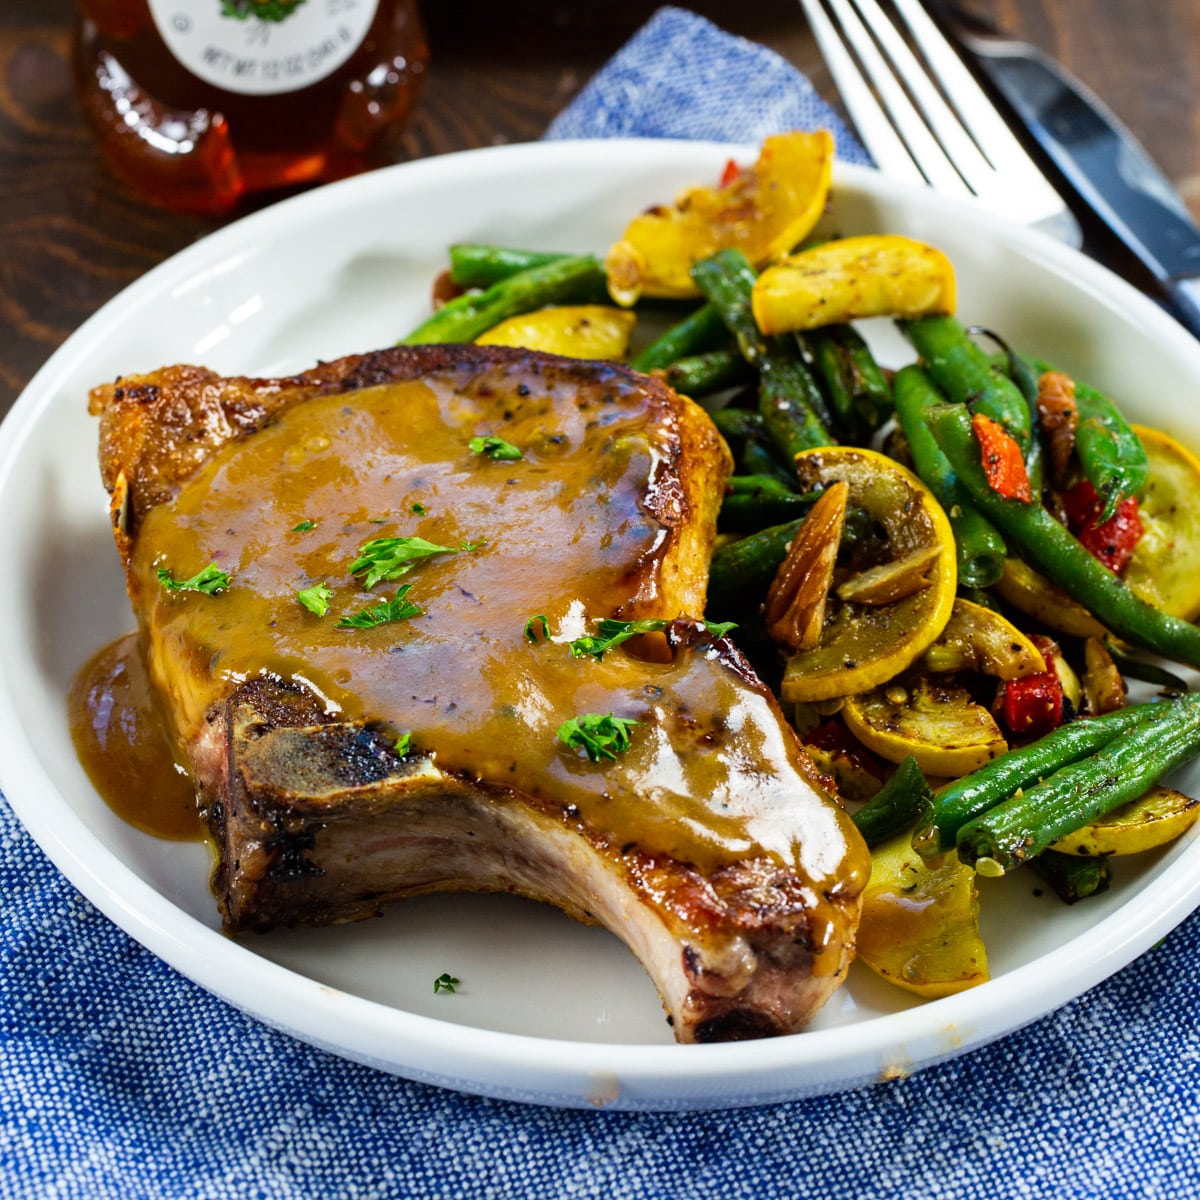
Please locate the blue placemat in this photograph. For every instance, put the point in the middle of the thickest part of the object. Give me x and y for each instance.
(121, 1079)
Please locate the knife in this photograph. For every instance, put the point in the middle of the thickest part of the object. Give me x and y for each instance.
(1101, 161)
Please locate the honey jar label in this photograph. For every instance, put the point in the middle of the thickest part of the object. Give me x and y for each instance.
(262, 47)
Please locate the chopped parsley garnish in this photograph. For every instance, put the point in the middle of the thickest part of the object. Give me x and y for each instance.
(403, 744)
(316, 599)
(209, 581)
(445, 982)
(531, 628)
(304, 526)
(396, 609)
(600, 736)
(391, 557)
(496, 448)
(418, 508)
(612, 633)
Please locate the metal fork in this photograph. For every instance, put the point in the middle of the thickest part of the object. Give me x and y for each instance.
(935, 126)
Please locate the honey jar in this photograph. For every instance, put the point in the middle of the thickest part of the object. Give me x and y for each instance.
(198, 102)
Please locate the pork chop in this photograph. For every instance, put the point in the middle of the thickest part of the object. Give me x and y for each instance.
(341, 766)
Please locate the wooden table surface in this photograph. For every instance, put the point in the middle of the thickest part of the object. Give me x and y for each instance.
(71, 236)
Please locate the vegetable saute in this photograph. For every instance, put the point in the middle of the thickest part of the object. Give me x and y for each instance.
(949, 571)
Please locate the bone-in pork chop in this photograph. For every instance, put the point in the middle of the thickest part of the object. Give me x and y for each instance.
(417, 750)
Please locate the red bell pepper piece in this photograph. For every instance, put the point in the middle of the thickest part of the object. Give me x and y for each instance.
(1003, 462)
(1032, 706)
(730, 174)
(1112, 541)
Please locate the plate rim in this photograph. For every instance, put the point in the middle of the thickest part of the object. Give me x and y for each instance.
(482, 1061)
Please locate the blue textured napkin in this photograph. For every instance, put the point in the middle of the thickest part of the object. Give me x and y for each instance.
(121, 1079)
(680, 76)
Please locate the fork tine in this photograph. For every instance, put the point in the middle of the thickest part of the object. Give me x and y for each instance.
(929, 156)
(977, 111)
(959, 148)
(869, 119)
(958, 142)
(1026, 185)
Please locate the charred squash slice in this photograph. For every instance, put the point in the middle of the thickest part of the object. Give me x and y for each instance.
(765, 210)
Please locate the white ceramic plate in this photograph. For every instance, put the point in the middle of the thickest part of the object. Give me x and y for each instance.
(548, 1011)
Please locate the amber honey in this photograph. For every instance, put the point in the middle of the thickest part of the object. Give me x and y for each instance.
(197, 102)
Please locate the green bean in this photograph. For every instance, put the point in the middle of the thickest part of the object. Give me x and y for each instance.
(1015, 830)
(696, 333)
(858, 390)
(1050, 549)
(1110, 454)
(967, 375)
(742, 572)
(789, 399)
(791, 404)
(967, 798)
(700, 375)
(465, 317)
(762, 486)
(896, 805)
(1073, 877)
(478, 265)
(726, 279)
(757, 501)
(753, 450)
(1147, 672)
(978, 545)
(757, 458)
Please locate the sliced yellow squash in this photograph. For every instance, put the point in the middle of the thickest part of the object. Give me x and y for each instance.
(574, 330)
(1165, 567)
(877, 275)
(937, 723)
(862, 645)
(920, 925)
(1035, 596)
(1152, 820)
(765, 211)
(978, 639)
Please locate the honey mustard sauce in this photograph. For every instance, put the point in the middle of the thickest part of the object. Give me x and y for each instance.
(122, 744)
(710, 777)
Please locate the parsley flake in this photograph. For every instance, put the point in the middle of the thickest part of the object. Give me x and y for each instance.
(600, 736)
(495, 448)
(531, 628)
(396, 609)
(304, 526)
(316, 599)
(612, 633)
(445, 982)
(391, 557)
(418, 508)
(403, 744)
(209, 581)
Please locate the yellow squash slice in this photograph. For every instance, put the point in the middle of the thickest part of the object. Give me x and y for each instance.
(920, 925)
(765, 211)
(978, 639)
(1152, 820)
(575, 330)
(864, 644)
(1035, 596)
(1165, 567)
(937, 723)
(843, 280)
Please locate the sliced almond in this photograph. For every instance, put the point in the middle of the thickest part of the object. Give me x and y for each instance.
(795, 610)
